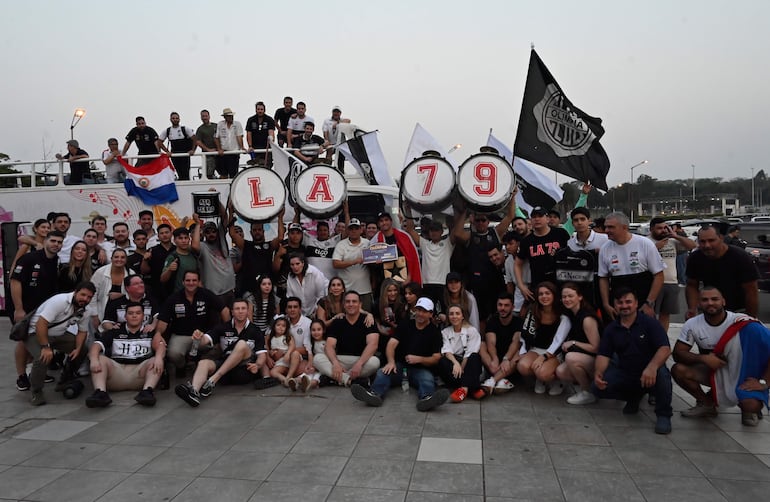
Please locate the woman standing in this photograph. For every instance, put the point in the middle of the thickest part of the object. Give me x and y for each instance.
(305, 282)
(109, 281)
(77, 270)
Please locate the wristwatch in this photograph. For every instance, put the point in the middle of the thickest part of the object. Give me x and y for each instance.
(651, 303)
(48, 346)
(763, 382)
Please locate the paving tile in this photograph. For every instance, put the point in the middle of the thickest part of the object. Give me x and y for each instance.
(66, 455)
(765, 459)
(444, 497)
(56, 407)
(666, 488)
(392, 423)
(208, 489)
(211, 436)
(511, 453)
(270, 491)
(16, 451)
(656, 461)
(512, 431)
(735, 466)
(322, 443)
(740, 491)
(628, 437)
(340, 423)
(107, 433)
(303, 469)
(346, 494)
(377, 473)
(563, 414)
(138, 487)
(18, 482)
(123, 458)
(755, 442)
(585, 485)
(161, 433)
(731, 422)
(390, 447)
(56, 430)
(262, 439)
(603, 416)
(143, 414)
(244, 465)
(525, 481)
(574, 433)
(451, 427)
(585, 458)
(78, 485)
(278, 421)
(182, 461)
(304, 405)
(447, 478)
(686, 439)
(457, 451)
(523, 416)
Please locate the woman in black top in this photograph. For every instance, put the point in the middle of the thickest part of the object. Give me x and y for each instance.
(77, 270)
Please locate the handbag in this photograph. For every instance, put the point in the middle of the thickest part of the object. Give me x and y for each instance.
(20, 330)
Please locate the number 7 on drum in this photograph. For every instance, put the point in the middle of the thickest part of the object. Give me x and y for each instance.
(430, 169)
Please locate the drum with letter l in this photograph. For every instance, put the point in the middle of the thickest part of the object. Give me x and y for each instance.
(258, 194)
(428, 182)
(485, 181)
(320, 191)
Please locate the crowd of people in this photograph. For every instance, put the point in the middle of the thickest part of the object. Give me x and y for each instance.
(289, 127)
(466, 310)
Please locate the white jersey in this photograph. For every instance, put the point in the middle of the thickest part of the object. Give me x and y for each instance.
(697, 331)
(637, 255)
(435, 260)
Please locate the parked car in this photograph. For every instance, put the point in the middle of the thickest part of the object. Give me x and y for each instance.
(756, 235)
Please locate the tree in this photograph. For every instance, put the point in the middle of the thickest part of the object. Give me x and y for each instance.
(4, 169)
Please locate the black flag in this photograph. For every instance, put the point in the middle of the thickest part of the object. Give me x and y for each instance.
(555, 134)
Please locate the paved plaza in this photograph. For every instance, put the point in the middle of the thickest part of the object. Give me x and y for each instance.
(247, 445)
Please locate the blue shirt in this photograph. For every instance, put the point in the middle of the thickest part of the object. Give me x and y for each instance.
(636, 345)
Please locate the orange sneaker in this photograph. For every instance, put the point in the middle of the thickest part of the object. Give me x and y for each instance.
(459, 395)
(479, 394)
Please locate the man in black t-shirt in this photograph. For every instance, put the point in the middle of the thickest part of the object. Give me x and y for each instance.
(310, 145)
(413, 350)
(153, 264)
(114, 314)
(260, 132)
(80, 169)
(282, 116)
(350, 345)
(256, 255)
(145, 138)
(499, 351)
(539, 248)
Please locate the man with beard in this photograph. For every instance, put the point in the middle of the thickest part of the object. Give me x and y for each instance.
(256, 254)
(182, 140)
(205, 140)
(282, 117)
(154, 261)
(120, 239)
(499, 350)
(309, 144)
(297, 122)
(145, 138)
(216, 267)
(260, 132)
(668, 244)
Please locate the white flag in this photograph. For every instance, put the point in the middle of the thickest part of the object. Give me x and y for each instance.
(421, 142)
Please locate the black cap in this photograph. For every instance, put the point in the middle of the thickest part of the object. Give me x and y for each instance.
(383, 214)
(454, 276)
(538, 211)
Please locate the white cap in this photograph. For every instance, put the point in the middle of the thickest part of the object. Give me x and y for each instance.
(425, 304)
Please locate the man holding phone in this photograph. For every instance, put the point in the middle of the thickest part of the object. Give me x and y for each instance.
(669, 244)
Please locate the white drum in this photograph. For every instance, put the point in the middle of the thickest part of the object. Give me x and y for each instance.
(427, 183)
(320, 191)
(258, 194)
(485, 181)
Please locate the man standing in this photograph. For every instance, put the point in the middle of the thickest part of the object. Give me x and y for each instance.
(350, 345)
(145, 138)
(282, 117)
(668, 244)
(182, 140)
(579, 262)
(120, 240)
(146, 221)
(320, 249)
(331, 132)
(412, 351)
(49, 330)
(80, 170)
(126, 358)
(260, 132)
(348, 260)
(281, 270)
(629, 260)
(256, 254)
(228, 138)
(728, 268)
(205, 135)
(114, 171)
(297, 122)
(641, 347)
(179, 261)
(216, 268)
(539, 248)
(153, 264)
(436, 257)
(406, 268)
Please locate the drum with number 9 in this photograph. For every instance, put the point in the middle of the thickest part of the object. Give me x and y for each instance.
(257, 194)
(485, 181)
(427, 183)
(320, 190)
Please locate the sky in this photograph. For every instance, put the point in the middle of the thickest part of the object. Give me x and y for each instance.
(675, 83)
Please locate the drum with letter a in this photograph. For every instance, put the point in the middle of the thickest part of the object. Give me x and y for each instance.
(485, 181)
(427, 183)
(320, 191)
(258, 194)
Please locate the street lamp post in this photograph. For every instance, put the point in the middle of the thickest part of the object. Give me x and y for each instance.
(693, 182)
(455, 147)
(79, 114)
(753, 202)
(631, 186)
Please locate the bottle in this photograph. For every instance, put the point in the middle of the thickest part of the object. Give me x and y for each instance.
(404, 381)
(194, 347)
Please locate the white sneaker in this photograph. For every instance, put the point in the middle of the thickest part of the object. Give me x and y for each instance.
(503, 386)
(539, 387)
(582, 397)
(556, 388)
(488, 385)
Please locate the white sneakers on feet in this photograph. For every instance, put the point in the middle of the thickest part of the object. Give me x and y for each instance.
(582, 397)
(556, 388)
(539, 387)
(488, 385)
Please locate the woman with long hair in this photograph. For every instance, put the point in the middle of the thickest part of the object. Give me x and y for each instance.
(331, 306)
(305, 282)
(264, 306)
(581, 345)
(456, 294)
(390, 303)
(109, 281)
(460, 366)
(545, 329)
(77, 270)
(412, 292)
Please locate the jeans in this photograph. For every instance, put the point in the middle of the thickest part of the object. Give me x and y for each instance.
(626, 387)
(419, 377)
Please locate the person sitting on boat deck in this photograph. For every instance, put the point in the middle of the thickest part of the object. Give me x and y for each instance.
(237, 356)
(126, 358)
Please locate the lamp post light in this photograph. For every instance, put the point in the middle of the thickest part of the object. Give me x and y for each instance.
(455, 147)
(631, 186)
(79, 114)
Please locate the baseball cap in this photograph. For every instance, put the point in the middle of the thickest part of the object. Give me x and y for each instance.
(538, 211)
(425, 304)
(354, 222)
(337, 107)
(384, 213)
(454, 276)
(208, 225)
(295, 226)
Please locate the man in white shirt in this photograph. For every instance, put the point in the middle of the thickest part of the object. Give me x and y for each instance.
(228, 138)
(668, 243)
(182, 140)
(348, 260)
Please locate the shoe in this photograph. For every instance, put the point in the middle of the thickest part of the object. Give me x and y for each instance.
(99, 399)
(37, 398)
(251, 162)
(503, 386)
(539, 387)
(325, 381)
(479, 394)
(663, 425)
(631, 407)
(304, 382)
(49, 379)
(582, 397)
(22, 383)
(488, 385)
(345, 380)
(146, 397)
(84, 370)
(700, 410)
(292, 384)
(207, 388)
(265, 383)
(556, 389)
(164, 382)
(366, 396)
(749, 419)
(459, 395)
(188, 394)
(433, 401)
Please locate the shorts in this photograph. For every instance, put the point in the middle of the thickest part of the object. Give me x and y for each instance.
(668, 299)
(540, 352)
(126, 376)
(281, 363)
(236, 376)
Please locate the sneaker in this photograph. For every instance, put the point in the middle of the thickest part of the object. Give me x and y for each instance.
(188, 394)
(345, 380)
(146, 397)
(700, 410)
(99, 399)
(208, 388)
(539, 387)
(459, 395)
(433, 401)
(49, 378)
(631, 407)
(84, 370)
(503, 386)
(582, 397)
(556, 389)
(749, 419)
(325, 381)
(292, 384)
(479, 394)
(37, 398)
(366, 396)
(22, 383)
(488, 385)
(304, 382)
(265, 383)
(663, 425)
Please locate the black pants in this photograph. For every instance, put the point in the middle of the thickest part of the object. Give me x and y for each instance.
(227, 165)
(469, 378)
(182, 166)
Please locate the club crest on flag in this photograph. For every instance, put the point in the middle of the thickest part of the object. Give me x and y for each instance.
(559, 126)
(144, 182)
